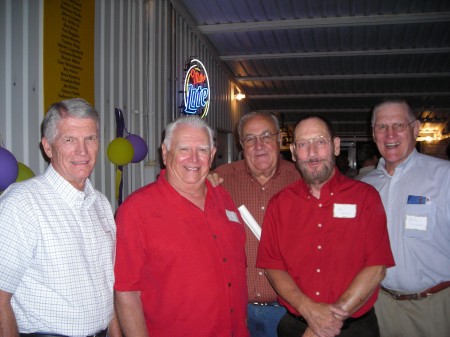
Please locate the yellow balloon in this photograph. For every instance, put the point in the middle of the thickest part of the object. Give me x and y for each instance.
(120, 151)
(24, 172)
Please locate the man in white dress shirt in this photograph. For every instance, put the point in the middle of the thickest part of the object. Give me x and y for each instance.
(57, 237)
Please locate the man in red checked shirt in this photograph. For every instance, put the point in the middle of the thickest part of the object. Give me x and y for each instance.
(251, 182)
(324, 243)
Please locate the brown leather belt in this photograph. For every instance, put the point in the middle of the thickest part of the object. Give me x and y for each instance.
(426, 293)
(270, 304)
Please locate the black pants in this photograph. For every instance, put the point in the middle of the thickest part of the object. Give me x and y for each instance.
(365, 326)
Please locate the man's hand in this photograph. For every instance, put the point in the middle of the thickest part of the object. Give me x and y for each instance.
(324, 319)
(309, 333)
(214, 179)
(114, 327)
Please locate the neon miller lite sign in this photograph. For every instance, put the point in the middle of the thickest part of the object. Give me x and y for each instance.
(196, 90)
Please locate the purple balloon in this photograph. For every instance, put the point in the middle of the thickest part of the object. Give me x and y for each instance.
(9, 168)
(139, 146)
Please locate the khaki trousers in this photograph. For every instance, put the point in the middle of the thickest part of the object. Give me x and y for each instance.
(428, 317)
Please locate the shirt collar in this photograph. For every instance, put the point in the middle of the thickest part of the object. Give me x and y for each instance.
(75, 198)
(328, 189)
(402, 167)
(162, 178)
(276, 174)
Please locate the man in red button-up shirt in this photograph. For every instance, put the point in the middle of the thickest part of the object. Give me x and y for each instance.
(180, 262)
(324, 244)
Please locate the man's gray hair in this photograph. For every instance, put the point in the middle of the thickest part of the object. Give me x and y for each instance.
(74, 107)
(393, 100)
(193, 121)
(249, 115)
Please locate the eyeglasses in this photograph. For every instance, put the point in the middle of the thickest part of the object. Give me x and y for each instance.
(319, 142)
(397, 127)
(265, 138)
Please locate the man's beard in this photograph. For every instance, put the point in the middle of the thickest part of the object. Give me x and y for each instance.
(318, 175)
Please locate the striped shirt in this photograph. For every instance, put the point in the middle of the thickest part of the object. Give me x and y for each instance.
(246, 190)
(57, 247)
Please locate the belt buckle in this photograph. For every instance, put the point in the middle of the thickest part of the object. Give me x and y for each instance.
(420, 296)
(396, 296)
(411, 297)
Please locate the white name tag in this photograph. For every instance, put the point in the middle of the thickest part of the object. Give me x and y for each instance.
(416, 222)
(344, 211)
(232, 216)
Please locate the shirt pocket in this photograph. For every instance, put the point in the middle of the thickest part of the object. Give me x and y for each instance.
(420, 221)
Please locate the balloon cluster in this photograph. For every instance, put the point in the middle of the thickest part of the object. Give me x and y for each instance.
(121, 151)
(11, 170)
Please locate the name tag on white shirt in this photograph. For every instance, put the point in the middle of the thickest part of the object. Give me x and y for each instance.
(416, 222)
(232, 216)
(344, 211)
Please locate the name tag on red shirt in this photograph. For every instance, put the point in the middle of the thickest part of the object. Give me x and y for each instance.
(344, 210)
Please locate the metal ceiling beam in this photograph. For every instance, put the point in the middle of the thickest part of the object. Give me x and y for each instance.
(330, 110)
(348, 21)
(316, 110)
(341, 77)
(348, 95)
(375, 52)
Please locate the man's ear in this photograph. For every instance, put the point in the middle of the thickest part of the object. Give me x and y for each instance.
(416, 128)
(213, 153)
(47, 147)
(164, 152)
(337, 146)
(291, 147)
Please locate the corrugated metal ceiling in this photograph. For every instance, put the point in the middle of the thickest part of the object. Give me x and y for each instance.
(333, 57)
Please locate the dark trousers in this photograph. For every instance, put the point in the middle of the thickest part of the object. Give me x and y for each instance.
(365, 326)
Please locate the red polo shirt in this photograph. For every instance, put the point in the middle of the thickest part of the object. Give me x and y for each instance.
(324, 243)
(188, 264)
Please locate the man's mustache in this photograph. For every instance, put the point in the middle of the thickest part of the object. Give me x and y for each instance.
(312, 161)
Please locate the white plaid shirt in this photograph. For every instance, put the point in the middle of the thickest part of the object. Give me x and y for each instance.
(57, 248)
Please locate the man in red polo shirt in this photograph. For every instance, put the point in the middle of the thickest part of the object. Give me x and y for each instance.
(180, 263)
(324, 243)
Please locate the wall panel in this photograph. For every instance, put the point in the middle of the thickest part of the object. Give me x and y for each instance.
(119, 74)
(141, 48)
(224, 113)
(21, 108)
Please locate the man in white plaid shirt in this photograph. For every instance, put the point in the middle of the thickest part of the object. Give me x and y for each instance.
(57, 237)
